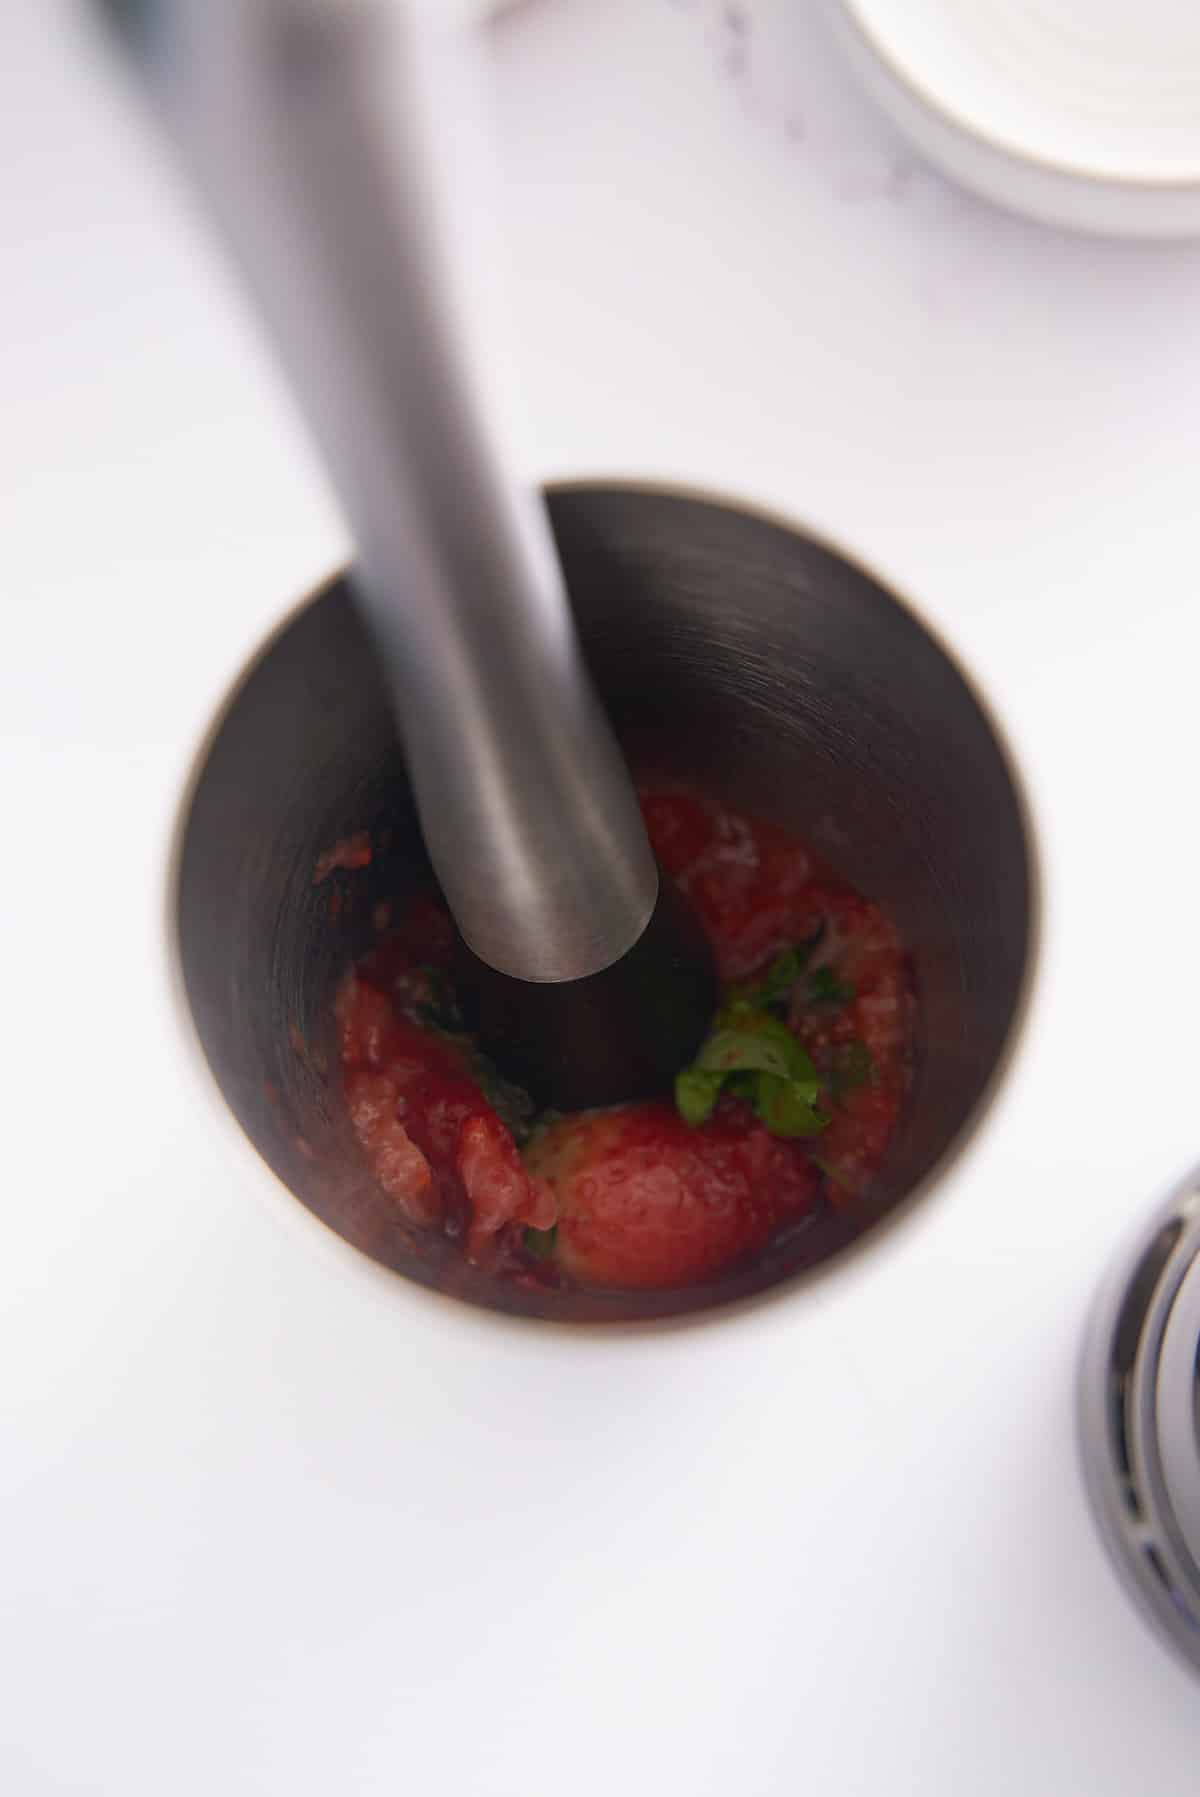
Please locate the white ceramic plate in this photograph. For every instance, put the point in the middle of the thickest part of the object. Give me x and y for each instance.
(1081, 112)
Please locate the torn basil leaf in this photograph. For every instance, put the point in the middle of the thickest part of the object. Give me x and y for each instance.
(696, 1094)
(747, 1040)
(753, 1056)
(739, 1051)
(786, 1109)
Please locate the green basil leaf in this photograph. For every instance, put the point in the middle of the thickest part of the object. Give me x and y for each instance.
(696, 1094)
(744, 1051)
(754, 1056)
(764, 1045)
(786, 1108)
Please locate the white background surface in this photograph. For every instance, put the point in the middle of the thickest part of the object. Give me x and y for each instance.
(273, 1525)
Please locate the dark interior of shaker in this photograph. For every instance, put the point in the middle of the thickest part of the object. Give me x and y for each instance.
(730, 651)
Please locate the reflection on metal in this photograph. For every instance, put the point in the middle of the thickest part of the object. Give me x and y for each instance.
(313, 131)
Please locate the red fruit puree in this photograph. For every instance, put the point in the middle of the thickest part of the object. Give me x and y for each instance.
(788, 1109)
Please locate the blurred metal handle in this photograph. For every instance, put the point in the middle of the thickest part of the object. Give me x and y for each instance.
(302, 121)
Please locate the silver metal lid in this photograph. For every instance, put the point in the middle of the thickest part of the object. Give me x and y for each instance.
(1140, 1418)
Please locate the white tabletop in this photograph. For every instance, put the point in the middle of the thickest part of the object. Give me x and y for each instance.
(273, 1525)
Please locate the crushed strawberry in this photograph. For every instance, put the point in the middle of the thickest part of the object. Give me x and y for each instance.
(367, 1021)
(747, 879)
(856, 1140)
(679, 825)
(499, 1188)
(396, 1161)
(634, 1197)
(644, 1201)
(433, 1140)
